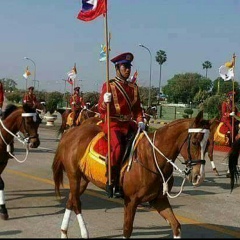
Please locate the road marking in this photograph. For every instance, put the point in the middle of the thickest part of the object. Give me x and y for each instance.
(120, 201)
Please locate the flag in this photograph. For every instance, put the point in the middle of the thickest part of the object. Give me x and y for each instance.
(226, 71)
(91, 9)
(27, 73)
(103, 55)
(72, 75)
(134, 77)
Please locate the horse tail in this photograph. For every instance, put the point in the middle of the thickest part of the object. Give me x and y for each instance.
(58, 169)
(233, 162)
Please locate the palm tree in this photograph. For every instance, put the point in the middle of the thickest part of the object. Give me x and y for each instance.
(161, 58)
(206, 65)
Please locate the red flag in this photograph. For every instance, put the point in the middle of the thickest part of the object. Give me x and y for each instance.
(91, 9)
(69, 80)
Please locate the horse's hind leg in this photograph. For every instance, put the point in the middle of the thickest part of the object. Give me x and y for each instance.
(164, 208)
(74, 203)
(3, 209)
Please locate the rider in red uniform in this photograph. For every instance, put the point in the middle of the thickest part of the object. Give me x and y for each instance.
(30, 98)
(124, 100)
(76, 103)
(228, 113)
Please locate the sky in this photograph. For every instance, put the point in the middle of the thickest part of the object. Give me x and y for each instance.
(49, 33)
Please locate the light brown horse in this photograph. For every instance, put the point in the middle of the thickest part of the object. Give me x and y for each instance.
(84, 114)
(146, 175)
(16, 119)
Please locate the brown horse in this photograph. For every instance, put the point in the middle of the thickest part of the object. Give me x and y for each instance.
(16, 119)
(146, 175)
(217, 136)
(233, 167)
(84, 114)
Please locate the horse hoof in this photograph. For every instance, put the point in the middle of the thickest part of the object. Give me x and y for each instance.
(4, 216)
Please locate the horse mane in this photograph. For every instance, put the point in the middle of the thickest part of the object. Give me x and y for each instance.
(11, 108)
(8, 110)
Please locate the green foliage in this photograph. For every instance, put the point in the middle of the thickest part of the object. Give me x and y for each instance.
(183, 87)
(91, 97)
(52, 101)
(15, 96)
(212, 106)
(188, 111)
(206, 65)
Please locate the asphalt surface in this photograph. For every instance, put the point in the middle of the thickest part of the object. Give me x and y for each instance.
(207, 211)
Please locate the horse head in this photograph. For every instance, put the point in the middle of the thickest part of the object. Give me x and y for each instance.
(28, 125)
(194, 148)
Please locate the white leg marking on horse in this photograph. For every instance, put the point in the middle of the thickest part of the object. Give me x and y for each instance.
(65, 223)
(213, 165)
(2, 198)
(179, 236)
(82, 225)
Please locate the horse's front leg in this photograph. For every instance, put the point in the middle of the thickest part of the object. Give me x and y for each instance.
(164, 208)
(210, 149)
(130, 207)
(3, 209)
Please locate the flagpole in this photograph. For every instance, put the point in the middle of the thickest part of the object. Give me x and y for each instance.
(108, 104)
(233, 99)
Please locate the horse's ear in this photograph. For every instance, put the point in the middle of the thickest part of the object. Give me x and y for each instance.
(199, 117)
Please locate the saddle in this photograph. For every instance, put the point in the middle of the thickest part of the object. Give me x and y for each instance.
(221, 135)
(70, 119)
(94, 161)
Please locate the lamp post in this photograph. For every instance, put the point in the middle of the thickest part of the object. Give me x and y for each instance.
(149, 88)
(34, 77)
(64, 97)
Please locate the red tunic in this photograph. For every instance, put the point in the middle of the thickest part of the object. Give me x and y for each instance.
(76, 102)
(226, 118)
(124, 107)
(30, 99)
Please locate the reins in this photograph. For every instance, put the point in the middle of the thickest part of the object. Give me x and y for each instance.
(24, 140)
(188, 163)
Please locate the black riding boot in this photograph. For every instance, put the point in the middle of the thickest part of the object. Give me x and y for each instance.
(118, 191)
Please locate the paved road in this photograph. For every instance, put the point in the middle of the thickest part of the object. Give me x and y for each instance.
(208, 211)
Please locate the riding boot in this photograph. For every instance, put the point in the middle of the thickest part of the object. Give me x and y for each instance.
(118, 191)
(109, 190)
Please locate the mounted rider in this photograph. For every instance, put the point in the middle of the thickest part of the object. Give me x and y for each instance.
(124, 100)
(30, 98)
(227, 113)
(77, 104)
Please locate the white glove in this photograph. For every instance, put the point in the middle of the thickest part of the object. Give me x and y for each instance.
(73, 103)
(141, 125)
(232, 114)
(107, 97)
(84, 107)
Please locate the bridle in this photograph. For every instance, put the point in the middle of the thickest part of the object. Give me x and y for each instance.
(25, 133)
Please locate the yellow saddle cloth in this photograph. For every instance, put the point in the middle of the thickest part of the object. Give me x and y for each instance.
(93, 163)
(220, 135)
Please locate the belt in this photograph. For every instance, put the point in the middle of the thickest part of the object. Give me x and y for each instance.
(122, 117)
